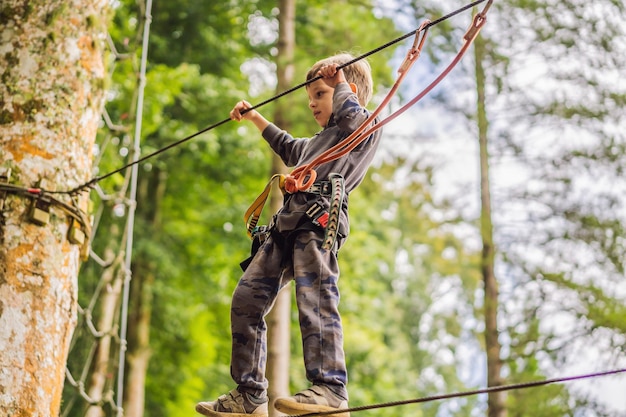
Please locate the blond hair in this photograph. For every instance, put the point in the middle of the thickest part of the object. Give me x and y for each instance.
(358, 73)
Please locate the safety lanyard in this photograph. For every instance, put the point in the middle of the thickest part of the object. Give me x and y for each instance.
(303, 177)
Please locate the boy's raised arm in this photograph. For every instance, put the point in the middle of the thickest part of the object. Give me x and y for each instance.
(254, 116)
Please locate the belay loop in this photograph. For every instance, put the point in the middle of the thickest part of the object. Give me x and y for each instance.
(294, 182)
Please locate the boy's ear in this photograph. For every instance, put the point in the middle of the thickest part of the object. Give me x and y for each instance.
(354, 88)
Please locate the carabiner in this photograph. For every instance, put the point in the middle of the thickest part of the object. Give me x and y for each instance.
(477, 23)
(416, 49)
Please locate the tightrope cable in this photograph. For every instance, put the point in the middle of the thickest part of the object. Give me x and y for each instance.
(137, 161)
(498, 388)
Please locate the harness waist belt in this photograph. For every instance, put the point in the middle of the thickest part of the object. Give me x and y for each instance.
(323, 188)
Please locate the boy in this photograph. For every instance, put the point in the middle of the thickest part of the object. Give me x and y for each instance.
(293, 250)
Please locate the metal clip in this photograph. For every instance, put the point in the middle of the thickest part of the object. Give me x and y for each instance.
(259, 230)
(75, 233)
(39, 212)
(477, 23)
(416, 49)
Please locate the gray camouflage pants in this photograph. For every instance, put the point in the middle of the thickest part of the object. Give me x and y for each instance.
(315, 273)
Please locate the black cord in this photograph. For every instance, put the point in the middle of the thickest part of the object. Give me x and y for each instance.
(95, 180)
(498, 388)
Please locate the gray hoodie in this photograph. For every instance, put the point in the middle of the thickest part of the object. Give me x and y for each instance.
(347, 116)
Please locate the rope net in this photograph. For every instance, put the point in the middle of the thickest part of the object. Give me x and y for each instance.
(95, 368)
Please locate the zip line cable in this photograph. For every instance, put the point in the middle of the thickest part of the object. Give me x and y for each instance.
(498, 388)
(137, 161)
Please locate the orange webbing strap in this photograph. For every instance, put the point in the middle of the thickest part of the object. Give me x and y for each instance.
(254, 211)
(304, 176)
(294, 182)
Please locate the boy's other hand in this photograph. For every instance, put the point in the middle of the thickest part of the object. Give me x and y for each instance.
(236, 112)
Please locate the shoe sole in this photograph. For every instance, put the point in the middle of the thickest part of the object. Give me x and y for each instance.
(293, 408)
(212, 413)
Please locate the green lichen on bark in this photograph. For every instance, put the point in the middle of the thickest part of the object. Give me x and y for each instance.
(52, 16)
(25, 111)
(5, 116)
(31, 107)
(14, 13)
(8, 81)
(92, 21)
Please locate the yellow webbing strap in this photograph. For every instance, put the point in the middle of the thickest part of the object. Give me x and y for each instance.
(254, 211)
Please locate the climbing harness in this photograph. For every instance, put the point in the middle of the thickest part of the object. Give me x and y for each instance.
(303, 178)
(317, 214)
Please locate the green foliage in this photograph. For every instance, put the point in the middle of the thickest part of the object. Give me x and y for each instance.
(212, 35)
(554, 110)
(410, 287)
(400, 267)
(554, 117)
(578, 216)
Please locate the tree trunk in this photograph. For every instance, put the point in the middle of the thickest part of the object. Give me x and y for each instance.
(496, 400)
(51, 95)
(279, 318)
(138, 357)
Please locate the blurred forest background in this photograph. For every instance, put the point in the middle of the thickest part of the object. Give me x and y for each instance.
(544, 84)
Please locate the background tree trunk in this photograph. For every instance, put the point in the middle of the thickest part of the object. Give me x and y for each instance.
(496, 402)
(103, 367)
(50, 102)
(151, 190)
(279, 319)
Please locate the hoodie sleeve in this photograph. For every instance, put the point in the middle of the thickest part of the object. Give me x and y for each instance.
(286, 146)
(348, 112)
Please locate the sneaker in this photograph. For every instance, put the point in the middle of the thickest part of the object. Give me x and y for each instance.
(313, 400)
(234, 404)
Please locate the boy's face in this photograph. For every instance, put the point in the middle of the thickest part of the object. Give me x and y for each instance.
(320, 101)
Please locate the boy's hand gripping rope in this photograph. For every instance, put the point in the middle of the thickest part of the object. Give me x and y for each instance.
(303, 177)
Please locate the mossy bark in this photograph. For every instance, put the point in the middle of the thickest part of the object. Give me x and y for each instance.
(52, 71)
